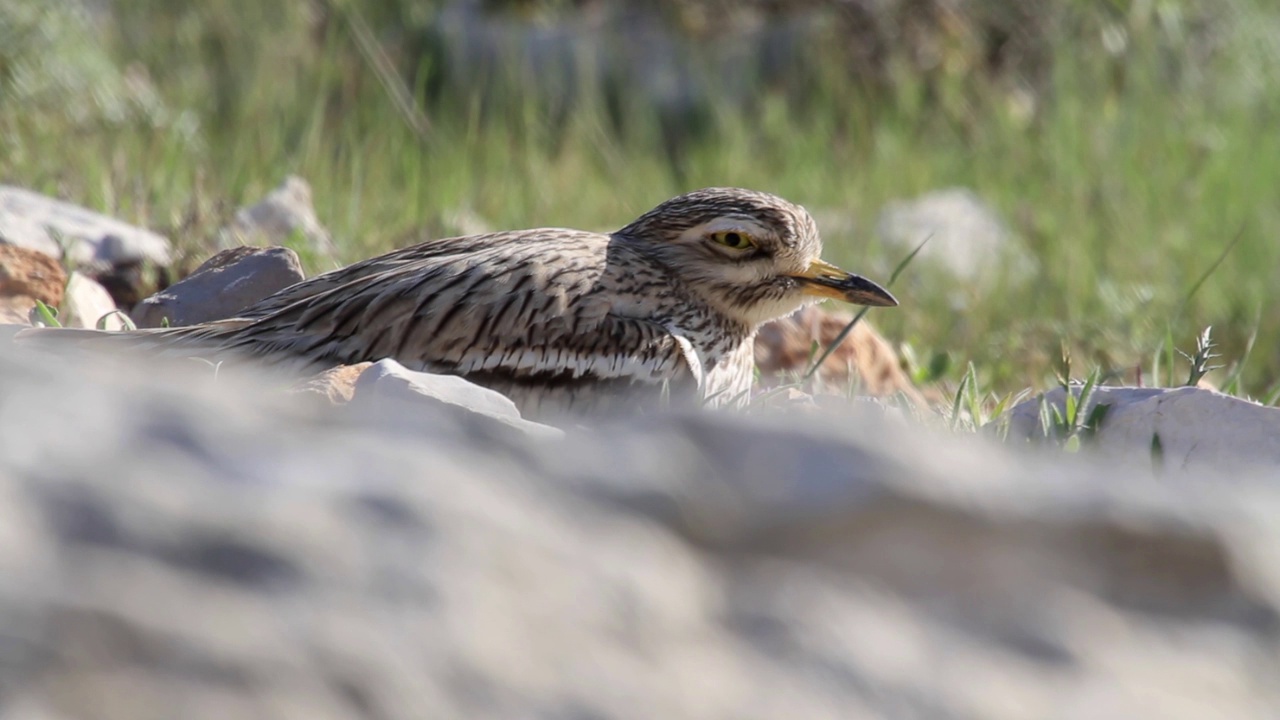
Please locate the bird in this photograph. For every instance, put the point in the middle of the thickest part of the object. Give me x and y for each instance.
(565, 323)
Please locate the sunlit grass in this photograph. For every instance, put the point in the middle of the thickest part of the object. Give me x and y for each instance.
(1125, 193)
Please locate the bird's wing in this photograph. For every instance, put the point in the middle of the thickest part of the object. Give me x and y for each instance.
(530, 305)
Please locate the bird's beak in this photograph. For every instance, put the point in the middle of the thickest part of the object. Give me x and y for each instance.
(824, 280)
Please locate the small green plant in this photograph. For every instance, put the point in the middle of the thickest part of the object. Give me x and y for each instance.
(1233, 385)
(125, 320)
(844, 333)
(973, 408)
(1201, 358)
(47, 315)
(217, 366)
(1071, 426)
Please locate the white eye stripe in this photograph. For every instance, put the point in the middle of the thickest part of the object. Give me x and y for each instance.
(727, 224)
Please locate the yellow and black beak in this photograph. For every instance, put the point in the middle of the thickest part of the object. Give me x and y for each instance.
(822, 279)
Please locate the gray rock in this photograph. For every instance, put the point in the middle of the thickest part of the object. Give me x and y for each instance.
(221, 287)
(31, 220)
(212, 546)
(285, 212)
(1199, 431)
(86, 303)
(966, 236)
(386, 389)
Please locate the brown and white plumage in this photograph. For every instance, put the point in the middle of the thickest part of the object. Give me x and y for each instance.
(561, 321)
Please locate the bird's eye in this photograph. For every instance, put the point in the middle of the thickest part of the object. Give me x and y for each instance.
(733, 239)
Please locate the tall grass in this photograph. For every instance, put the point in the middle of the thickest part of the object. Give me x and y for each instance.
(1125, 185)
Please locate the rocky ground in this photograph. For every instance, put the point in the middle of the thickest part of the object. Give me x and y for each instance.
(377, 543)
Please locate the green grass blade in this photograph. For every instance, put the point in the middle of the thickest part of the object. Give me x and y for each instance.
(48, 315)
(844, 333)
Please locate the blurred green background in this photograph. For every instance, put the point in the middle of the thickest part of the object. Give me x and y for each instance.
(1125, 144)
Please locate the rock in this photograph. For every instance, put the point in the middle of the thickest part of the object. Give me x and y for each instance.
(16, 309)
(214, 545)
(387, 388)
(966, 236)
(8, 329)
(284, 212)
(335, 385)
(25, 277)
(93, 240)
(220, 288)
(31, 274)
(1200, 431)
(86, 304)
(786, 401)
(783, 350)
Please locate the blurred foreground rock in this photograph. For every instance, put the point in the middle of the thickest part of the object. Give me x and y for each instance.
(221, 287)
(174, 546)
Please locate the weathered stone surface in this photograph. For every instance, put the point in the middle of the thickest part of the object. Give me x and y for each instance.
(784, 348)
(335, 385)
(388, 389)
(284, 212)
(25, 277)
(220, 288)
(16, 309)
(31, 220)
(212, 547)
(1199, 431)
(31, 274)
(966, 235)
(86, 303)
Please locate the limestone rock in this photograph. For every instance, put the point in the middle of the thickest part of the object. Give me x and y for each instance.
(387, 388)
(86, 303)
(212, 546)
(1192, 430)
(966, 235)
(784, 347)
(220, 288)
(34, 221)
(284, 212)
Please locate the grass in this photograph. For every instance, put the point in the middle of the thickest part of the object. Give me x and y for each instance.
(1127, 192)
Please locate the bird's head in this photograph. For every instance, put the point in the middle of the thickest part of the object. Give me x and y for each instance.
(752, 255)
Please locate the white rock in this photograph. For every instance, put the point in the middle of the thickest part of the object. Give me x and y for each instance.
(31, 220)
(221, 287)
(86, 303)
(965, 234)
(386, 388)
(162, 537)
(285, 211)
(1199, 430)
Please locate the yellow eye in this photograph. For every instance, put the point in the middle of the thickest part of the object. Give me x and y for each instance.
(733, 239)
